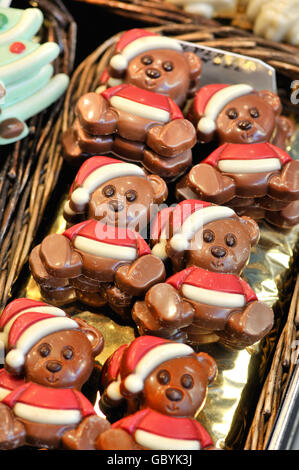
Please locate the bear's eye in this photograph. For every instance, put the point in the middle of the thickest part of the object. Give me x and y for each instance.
(168, 66)
(109, 190)
(208, 236)
(187, 381)
(44, 350)
(163, 377)
(230, 239)
(254, 113)
(68, 353)
(131, 195)
(147, 60)
(232, 113)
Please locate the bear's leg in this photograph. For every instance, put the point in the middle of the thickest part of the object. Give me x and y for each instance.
(284, 132)
(169, 168)
(285, 186)
(248, 326)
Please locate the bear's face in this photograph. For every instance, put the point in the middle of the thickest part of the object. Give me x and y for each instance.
(177, 387)
(164, 71)
(62, 359)
(127, 201)
(248, 119)
(223, 246)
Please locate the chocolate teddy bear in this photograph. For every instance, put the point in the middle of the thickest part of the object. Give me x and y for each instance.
(120, 193)
(140, 119)
(164, 385)
(97, 264)
(239, 114)
(206, 300)
(259, 180)
(155, 63)
(51, 356)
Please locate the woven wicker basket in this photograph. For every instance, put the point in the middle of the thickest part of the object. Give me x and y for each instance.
(29, 168)
(221, 35)
(279, 343)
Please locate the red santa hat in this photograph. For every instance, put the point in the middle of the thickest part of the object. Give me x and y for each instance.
(248, 158)
(136, 41)
(27, 329)
(128, 367)
(107, 241)
(211, 99)
(186, 219)
(93, 173)
(19, 307)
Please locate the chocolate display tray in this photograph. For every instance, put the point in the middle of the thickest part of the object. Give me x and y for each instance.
(230, 409)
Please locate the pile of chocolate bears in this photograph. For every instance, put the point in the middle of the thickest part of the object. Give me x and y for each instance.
(140, 146)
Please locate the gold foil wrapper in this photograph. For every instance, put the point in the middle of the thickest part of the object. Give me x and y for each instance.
(232, 396)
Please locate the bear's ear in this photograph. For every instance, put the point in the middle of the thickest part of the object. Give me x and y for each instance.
(272, 99)
(159, 187)
(195, 64)
(209, 364)
(94, 336)
(252, 229)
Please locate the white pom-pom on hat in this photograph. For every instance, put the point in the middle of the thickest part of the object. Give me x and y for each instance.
(15, 359)
(80, 197)
(119, 62)
(159, 250)
(179, 242)
(206, 126)
(134, 383)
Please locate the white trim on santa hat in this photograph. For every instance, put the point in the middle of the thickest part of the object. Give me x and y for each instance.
(213, 297)
(41, 328)
(134, 382)
(121, 60)
(81, 195)
(152, 441)
(140, 109)
(249, 166)
(181, 240)
(207, 124)
(39, 414)
(47, 309)
(105, 250)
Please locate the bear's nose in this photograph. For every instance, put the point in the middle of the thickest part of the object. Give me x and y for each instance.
(53, 366)
(218, 251)
(245, 125)
(153, 73)
(174, 394)
(116, 205)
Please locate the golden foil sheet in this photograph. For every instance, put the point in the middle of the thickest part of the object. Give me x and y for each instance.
(232, 396)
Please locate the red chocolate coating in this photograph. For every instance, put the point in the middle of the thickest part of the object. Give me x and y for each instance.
(44, 401)
(167, 396)
(96, 278)
(206, 300)
(132, 129)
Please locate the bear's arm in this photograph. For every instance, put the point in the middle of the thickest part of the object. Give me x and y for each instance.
(141, 275)
(246, 327)
(285, 186)
(171, 139)
(95, 114)
(210, 184)
(59, 258)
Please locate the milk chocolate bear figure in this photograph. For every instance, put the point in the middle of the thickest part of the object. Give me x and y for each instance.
(240, 115)
(97, 264)
(140, 119)
(155, 63)
(206, 300)
(165, 383)
(260, 180)
(55, 356)
(116, 192)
